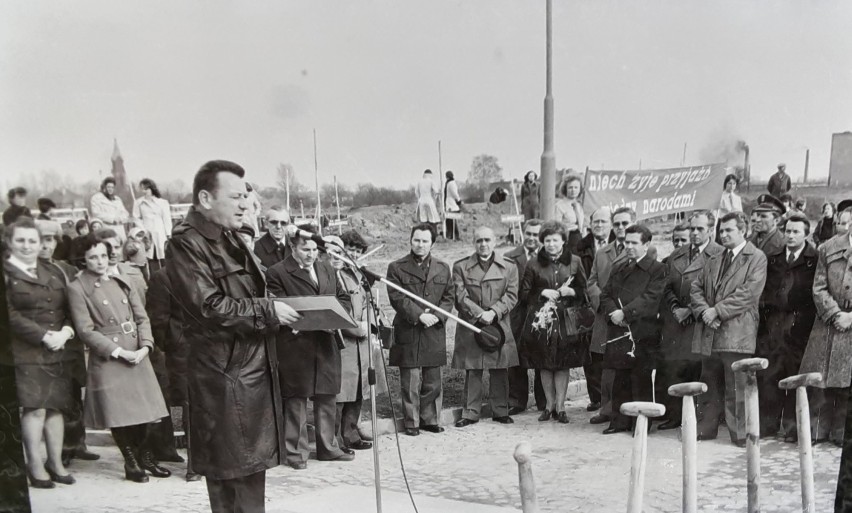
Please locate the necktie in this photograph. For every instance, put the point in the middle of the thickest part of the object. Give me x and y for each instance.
(693, 252)
(313, 275)
(619, 248)
(791, 258)
(726, 262)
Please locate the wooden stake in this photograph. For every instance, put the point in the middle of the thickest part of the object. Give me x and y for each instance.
(529, 500)
(318, 213)
(803, 424)
(750, 366)
(641, 410)
(689, 437)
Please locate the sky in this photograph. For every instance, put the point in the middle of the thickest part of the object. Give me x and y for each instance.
(382, 81)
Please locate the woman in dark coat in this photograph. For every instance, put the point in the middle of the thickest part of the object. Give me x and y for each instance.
(39, 329)
(529, 196)
(122, 392)
(554, 277)
(825, 227)
(309, 361)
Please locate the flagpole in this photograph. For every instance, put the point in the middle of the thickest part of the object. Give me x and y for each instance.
(287, 170)
(337, 200)
(316, 182)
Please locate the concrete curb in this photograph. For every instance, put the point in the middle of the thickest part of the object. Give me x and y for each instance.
(449, 416)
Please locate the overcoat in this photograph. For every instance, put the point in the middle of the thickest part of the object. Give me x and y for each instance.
(676, 339)
(735, 296)
(108, 315)
(557, 351)
(770, 244)
(602, 266)
(477, 291)
(167, 325)
(156, 216)
(530, 200)
(518, 255)
(35, 306)
(269, 251)
(787, 306)
(830, 351)
(354, 357)
(235, 408)
(309, 360)
(415, 345)
(639, 289)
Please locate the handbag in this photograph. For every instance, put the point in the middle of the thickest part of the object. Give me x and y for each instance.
(578, 319)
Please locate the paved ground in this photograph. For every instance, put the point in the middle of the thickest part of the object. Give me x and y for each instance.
(575, 468)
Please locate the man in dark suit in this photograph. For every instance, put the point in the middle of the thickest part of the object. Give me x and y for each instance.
(724, 298)
(787, 316)
(598, 238)
(765, 233)
(420, 347)
(678, 364)
(272, 247)
(631, 302)
(309, 361)
(519, 381)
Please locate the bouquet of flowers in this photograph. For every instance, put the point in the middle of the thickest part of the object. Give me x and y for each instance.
(546, 316)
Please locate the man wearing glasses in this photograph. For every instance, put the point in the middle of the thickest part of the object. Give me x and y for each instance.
(605, 260)
(272, 247)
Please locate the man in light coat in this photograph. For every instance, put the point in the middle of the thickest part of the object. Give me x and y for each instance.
(108, 207)
(678, 363)
(725, 299)
(486, 288)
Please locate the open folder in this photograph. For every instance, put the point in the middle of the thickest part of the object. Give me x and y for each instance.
(318, 313)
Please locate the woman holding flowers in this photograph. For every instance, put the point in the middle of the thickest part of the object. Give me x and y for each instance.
(553, 282)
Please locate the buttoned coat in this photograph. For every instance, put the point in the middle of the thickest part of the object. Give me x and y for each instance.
(787, 305)
(108, 315)
(602, 265)
(309, 360)
(235, 407)
(35, 306)
(415, 345)
(477, 291)
(735, 296)
(518, 255)
(269, 251)
(829, 351)
(354, 357)
(156, 216)
(637, 291)
(770, 244)
(676, 339)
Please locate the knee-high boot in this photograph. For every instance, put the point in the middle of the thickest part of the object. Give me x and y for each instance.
(125, 439)
(146, 458)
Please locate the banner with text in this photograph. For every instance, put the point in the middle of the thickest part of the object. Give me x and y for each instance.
(656, 192)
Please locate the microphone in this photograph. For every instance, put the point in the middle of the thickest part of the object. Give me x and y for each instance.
(294, 231)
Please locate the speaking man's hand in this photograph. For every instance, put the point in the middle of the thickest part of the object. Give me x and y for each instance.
(285, 313)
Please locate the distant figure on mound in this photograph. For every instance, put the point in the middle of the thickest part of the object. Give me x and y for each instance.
(426, 191)
(109, 208)
(779, 183)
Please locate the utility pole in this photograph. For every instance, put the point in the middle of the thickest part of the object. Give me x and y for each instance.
(807, 161)
(548, 157)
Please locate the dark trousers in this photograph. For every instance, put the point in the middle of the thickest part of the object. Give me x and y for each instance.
(519, 388)
(828, 412)
(672, 372)
(498, 393)
(238, 495)
(628, 385)
(777, 407)
(422, 394)
(162, 436)
(843, 496)
(75, 433)
(346, 420)
(725, 394)
(296, 428)
(594, 373)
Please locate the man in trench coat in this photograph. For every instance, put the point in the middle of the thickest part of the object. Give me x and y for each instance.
(232, 366)
(787, 316)
(829, 349)
(725, 300)
(309, 361)
(486, 288)
(678, 364)
(420, 336)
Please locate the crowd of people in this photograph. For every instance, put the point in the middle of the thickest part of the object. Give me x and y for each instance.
(145, 317)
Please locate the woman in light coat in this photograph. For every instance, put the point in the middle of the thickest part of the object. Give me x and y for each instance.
(122, 392)
(155, 215)
(569, 209)
(426, 191)
(452, 203)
